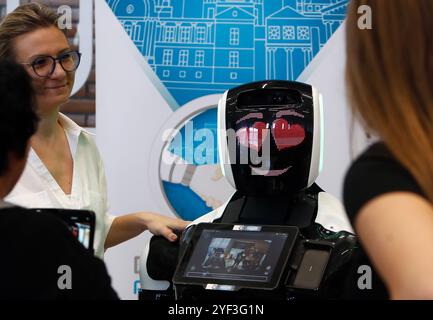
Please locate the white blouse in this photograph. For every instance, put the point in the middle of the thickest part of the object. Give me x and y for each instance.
(38, 189)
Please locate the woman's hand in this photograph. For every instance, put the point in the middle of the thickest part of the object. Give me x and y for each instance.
(161, 225)
(129, 226)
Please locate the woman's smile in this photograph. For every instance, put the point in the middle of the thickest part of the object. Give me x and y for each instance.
(54, 87)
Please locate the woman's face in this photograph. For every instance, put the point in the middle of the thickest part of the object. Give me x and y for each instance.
(53, 91)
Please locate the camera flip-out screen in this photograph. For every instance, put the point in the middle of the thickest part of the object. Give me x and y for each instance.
(81, 223)
(236, 255)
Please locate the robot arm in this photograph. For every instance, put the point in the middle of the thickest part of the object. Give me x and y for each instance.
(331, 214)
(158, 261)
(146, 281)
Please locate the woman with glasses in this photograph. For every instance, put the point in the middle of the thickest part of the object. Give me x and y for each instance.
(64, 168)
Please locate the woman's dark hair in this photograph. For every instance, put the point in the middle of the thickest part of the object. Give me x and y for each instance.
(18, 120)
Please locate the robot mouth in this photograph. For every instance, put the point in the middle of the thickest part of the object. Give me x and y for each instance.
(269, 173)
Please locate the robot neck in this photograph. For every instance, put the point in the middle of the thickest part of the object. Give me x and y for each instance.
(298, 209)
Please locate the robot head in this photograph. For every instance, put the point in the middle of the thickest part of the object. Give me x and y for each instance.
(270, 137)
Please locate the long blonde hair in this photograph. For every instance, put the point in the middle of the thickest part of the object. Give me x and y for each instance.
(24, 19)
(390, 80)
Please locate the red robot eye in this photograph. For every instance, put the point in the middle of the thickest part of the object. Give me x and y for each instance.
(287, 135)
(253, 137)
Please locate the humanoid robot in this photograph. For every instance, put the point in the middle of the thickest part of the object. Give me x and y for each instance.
(270, 143)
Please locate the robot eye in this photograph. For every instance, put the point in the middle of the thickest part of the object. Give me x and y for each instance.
(254, 136)
(287, 135)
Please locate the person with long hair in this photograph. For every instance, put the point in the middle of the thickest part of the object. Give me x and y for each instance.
(64, 168)
(388, 191)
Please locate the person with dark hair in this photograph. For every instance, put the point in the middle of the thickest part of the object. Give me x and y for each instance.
(16, 127)
(64, 168)
(388, 191)
(36, 247)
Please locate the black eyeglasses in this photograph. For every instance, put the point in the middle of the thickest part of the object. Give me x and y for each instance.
(44, 66)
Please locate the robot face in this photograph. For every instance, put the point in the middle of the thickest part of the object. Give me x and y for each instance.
(269, 139)
(273, 129)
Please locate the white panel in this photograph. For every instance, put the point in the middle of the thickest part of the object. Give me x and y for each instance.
(327, 73)
(130, 111)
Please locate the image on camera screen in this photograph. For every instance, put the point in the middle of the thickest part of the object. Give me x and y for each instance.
(236, 255)
(81, 231)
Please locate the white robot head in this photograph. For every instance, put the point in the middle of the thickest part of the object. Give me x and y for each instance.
(270, 137)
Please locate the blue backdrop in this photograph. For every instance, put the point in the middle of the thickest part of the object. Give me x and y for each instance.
(202, 47)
